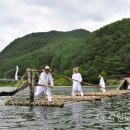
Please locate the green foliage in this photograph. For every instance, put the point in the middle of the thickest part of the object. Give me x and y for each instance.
(113, 83)
(62, 82)
(9, 83)
(40, 49)
(105, 51)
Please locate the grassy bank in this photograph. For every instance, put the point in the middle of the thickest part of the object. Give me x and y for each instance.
(113, 83)
(11, 84)
(63, 82)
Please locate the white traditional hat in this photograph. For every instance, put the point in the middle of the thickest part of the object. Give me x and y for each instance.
(47, 68)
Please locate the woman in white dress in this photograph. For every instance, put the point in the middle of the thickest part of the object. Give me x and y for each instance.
(76, 79)
(102, 83)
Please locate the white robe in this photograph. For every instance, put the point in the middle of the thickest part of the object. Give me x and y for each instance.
(102, 84)
(128, 86)
(77, 84)
(44, 80)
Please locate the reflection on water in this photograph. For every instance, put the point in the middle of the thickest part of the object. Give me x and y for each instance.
(107, 114)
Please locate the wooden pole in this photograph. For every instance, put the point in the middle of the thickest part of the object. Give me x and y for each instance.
(29, 71)
(81, 82)
(32, 86)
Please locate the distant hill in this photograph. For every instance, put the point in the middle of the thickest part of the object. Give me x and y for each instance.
(105, 51)
(34, 41)
(40, 49)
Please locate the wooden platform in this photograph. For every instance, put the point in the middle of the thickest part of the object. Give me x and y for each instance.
(64, 98)
(37, 103)
(61, 100)
(109, 93)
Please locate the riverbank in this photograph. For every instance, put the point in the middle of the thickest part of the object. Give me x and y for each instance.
(11, 84)
(63, 83)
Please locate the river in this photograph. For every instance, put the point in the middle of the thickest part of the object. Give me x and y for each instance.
(107, 114)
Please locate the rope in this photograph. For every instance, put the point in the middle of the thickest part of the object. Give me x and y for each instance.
(20, 84)
(19, 81)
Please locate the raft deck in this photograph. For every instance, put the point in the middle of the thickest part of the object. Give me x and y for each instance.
(61, 100)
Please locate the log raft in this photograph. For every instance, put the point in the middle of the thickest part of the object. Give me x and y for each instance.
(61, 100)
(64, 98)
(58, 100)
(37, 103)
(109, 93)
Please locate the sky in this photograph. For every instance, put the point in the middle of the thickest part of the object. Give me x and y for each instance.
(21, 17)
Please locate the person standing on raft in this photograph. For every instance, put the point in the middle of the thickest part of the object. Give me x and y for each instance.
(44, 79)
(76, 79)
(102, 83)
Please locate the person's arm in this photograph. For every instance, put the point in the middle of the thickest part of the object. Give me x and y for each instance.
(39, 81)
(80, 78)
(100, 83)
(51, 80)
(72, 79)
(42, 79)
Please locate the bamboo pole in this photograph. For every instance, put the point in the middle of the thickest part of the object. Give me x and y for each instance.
(32, 86)
(95, 85)
(29, 72)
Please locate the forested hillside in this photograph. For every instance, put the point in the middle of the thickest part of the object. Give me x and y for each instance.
(105, 51)
(39, 49)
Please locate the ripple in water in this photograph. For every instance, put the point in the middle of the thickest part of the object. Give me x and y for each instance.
(107, 114)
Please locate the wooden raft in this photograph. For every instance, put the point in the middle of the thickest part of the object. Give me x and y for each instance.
(37, 103)
(109, 93)
(60, 100)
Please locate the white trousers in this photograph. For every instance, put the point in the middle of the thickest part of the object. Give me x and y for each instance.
(41, 89)
(129, 86)
(103, 88)
(77, 87)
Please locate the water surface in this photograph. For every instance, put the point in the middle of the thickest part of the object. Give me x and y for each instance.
(107, 114)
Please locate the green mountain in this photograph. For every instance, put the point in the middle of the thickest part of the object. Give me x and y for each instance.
(39, 49)
(105, 51)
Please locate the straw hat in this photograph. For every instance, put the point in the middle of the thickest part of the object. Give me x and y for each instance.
(47, 68)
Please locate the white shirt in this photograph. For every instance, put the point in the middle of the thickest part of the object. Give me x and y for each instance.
(102, 83)
(45, 79)
(78, 77)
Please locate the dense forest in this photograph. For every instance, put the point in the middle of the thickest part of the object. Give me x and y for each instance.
(105, 51)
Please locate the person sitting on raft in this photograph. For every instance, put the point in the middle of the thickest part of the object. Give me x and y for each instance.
(76, 79)
(45, 78)
(102, 83)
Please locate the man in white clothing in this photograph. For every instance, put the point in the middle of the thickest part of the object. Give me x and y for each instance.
(102, 83)
(45, 78)
(76, 79)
